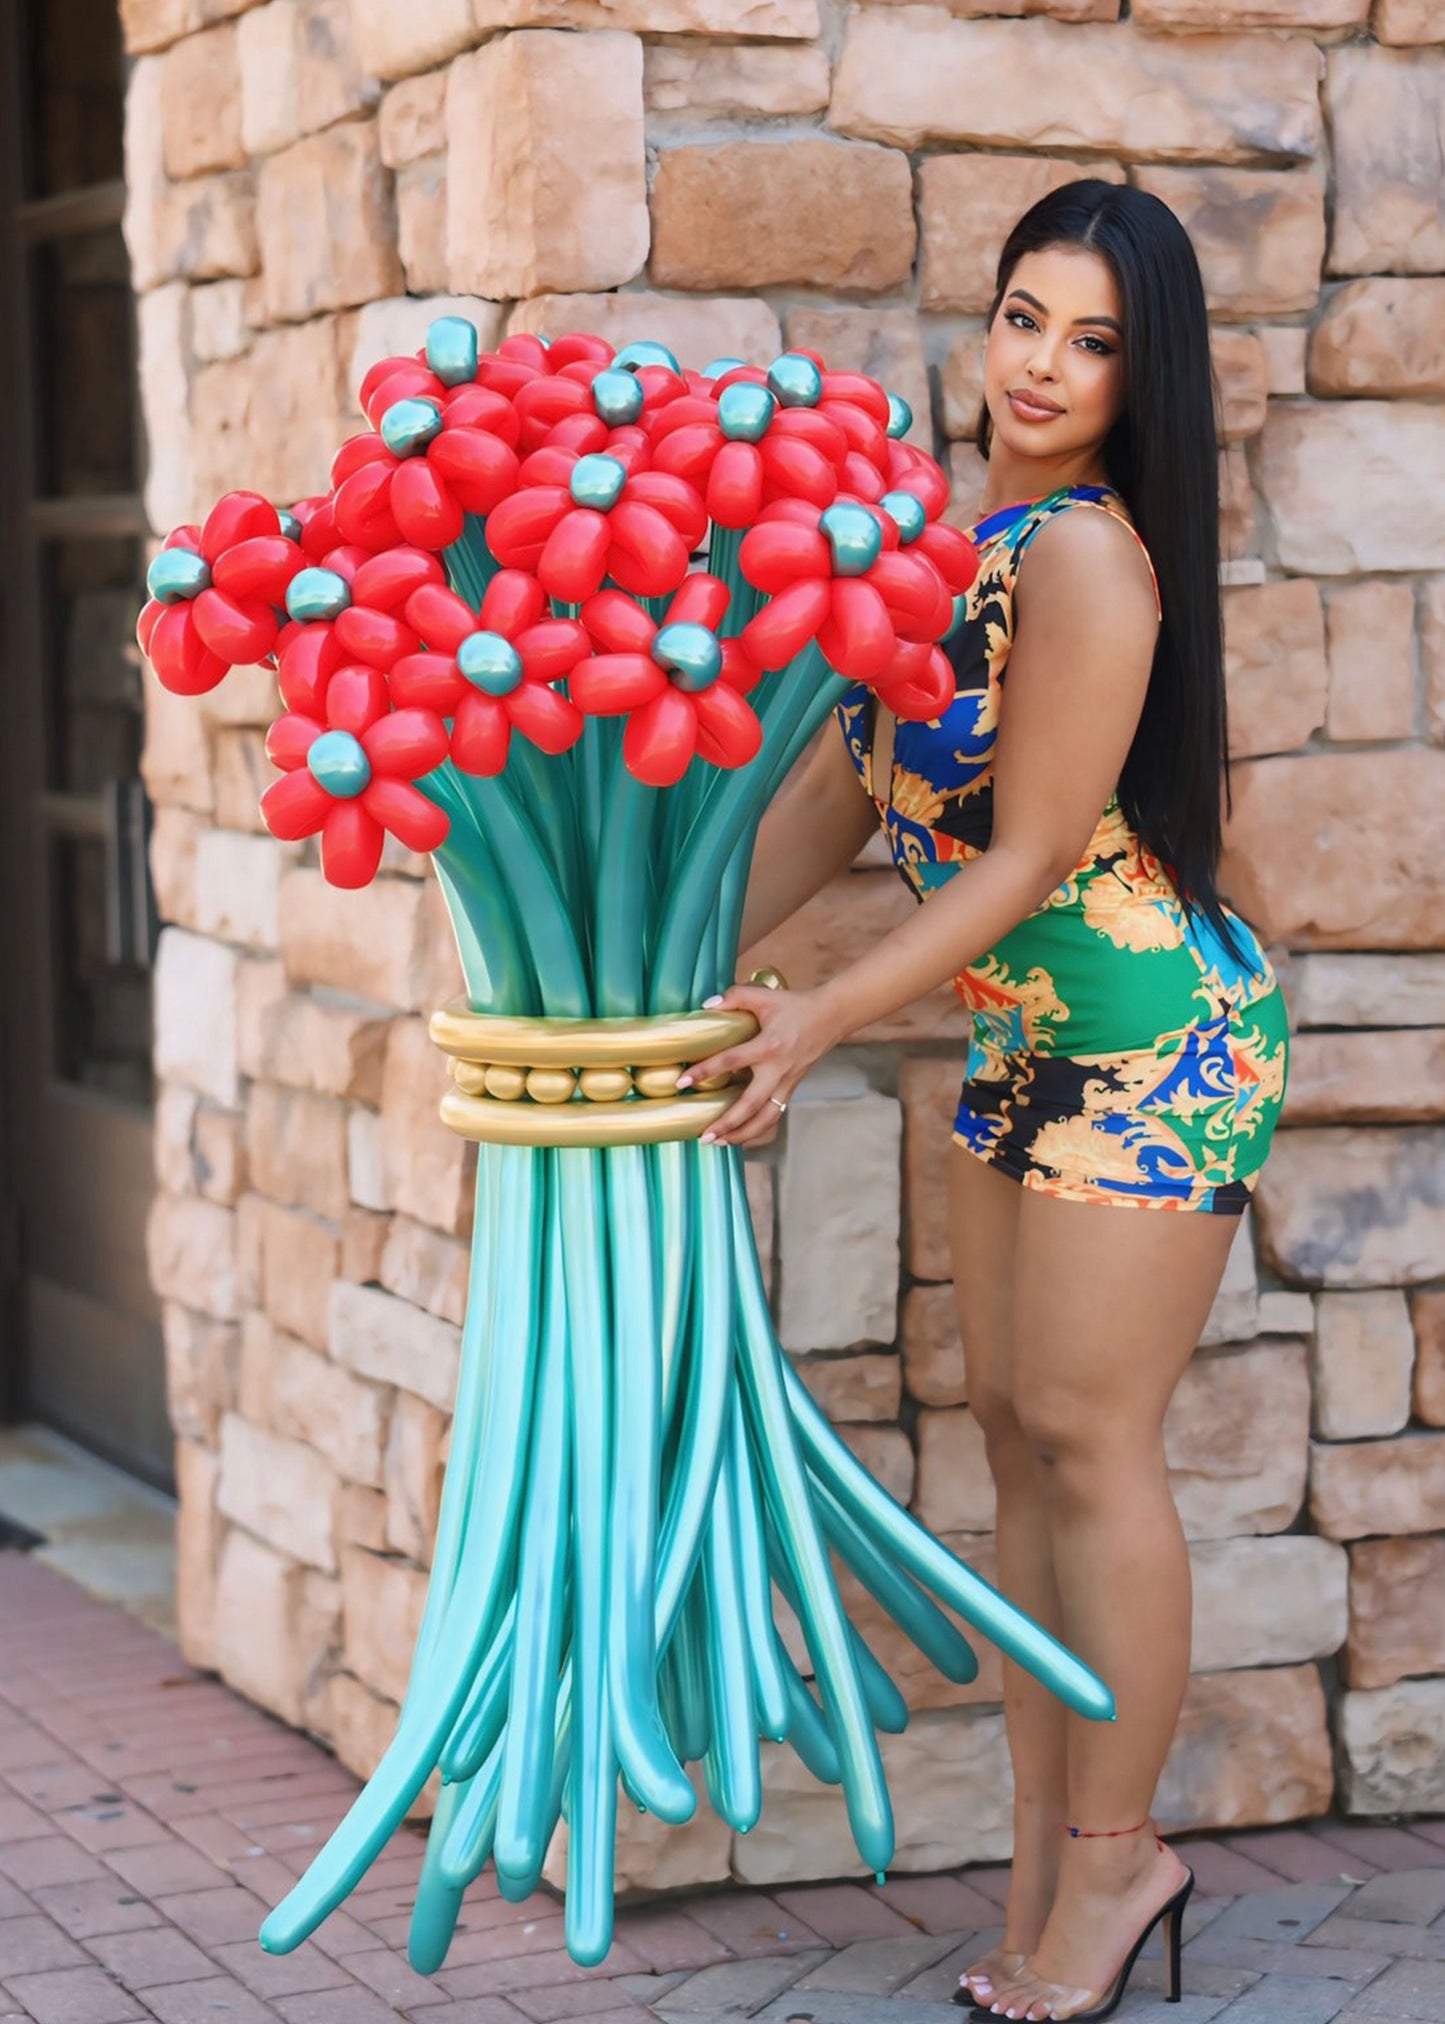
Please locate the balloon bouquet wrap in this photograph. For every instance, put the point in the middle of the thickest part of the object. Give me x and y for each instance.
(565, 621)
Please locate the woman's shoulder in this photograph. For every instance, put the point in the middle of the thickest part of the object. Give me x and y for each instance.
(1071, 544)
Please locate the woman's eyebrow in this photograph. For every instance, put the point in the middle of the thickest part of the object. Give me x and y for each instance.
(1108, 322)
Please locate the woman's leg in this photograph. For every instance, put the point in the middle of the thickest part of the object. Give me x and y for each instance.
(984, 1220)
(1109, 1304)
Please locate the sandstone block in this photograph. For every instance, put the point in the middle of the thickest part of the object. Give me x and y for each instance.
(1371, 629)
(915, 77)
(175, 1120)
(196, 230)
(421, 224)
(163, 331)
(933, 1369)
(238, 882)
(738, 78)
(1251, 1747)
(1366, 1078)
(427, 1170)
(961, 381)
(279, 1489)
(1393, 1745)
(1234, 1317)
(218, 1155)
(1236, 1439)
(1259, 233)
(1283, 1313)
(218, 323)
(955, 1489)
(1058, 10)
(324, 939)
(201, 104)
(359, 1724)
(1359, 1488)
(301, 70)
(363, 1239)
(1395, 990)
(1274, 665)
(1397, 1621)
(885, 343)
(365, 1160)
(397, 326)
(547, 183)
(151, 24)
(412, 1477)
(320, 1040)
(1432, 656)
(397, 41)
(273, 418)
(1284, 352)
(315, 1402)
(260, 987)
(1387, 121)
(412, 119)
(1216, 14)
(1335, 850)
(274, 1626)
(195, 1014)
(1380, 336)
(201, 1361)
(968, 204)
(885, 1452)
(175, 762)
(296, 1145)
(1347, 1206)
(1238, 510)
(1349, 483)
(421, 1265)
(928, 1086)
(391, 1342)
(1241, 372)
(760, 213)
(1266, 1601)
(198, 1540)
(1427, 1314)
(298, 1261)
(360, 1518)
(777, 20)
(381, 1614)
(174, 836)
(696, 331)
(838, 1209)
(307, 264)
(1404, 22)
(1363, 1358)
(852, 1388)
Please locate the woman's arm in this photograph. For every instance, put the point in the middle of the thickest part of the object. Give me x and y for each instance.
(1077, 675)
(814, 828)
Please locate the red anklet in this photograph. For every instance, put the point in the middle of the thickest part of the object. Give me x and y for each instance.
(1093, 1831)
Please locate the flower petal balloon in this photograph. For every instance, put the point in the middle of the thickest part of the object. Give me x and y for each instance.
(600, 520)
(214, 592)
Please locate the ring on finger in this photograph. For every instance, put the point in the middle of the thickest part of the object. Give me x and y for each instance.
(776, 1100)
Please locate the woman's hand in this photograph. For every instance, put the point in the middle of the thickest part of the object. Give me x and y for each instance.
(793, 1033)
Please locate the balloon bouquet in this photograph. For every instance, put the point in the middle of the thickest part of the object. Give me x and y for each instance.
(493, 642)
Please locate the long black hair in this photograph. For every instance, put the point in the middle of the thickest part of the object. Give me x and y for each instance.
(1162, 456)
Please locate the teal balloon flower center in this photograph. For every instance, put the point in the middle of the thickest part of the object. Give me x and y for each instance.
(597, 482)
(317, 593)
(617, 397)
(716, 367)
(690, 653)
(290, 525)
(490, 663)
(178, 574)
(745, 412)
(796, 380)
(338, 763)
(451, 350)
(907, 513)
(408, 426)
(854, 536)
(633, 357)
(900, 416)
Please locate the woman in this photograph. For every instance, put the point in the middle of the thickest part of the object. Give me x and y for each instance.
(1129, 1037)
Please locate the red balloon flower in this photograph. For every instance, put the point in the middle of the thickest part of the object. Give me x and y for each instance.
(214, 593)
(433, 461)
(590, 517)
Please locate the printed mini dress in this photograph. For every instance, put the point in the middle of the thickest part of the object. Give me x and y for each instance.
(1120, 1052)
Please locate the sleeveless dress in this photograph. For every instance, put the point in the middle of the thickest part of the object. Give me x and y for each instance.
(1120, 1052)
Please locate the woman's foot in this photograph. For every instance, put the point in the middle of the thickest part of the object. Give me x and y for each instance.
(1033, 1876)
(1108, 1890)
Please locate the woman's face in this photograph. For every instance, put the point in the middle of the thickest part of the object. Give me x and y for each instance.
(1053, 364)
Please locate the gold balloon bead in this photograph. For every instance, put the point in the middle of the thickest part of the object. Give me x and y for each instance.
(657, 1081)
(551, 1085)
(501, 1080)
(605, 1085)
(769, 978)
(470, 1076)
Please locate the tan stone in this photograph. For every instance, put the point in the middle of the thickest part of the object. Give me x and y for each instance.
(201, 1358)
(427, 1169)
(314, 1401)
(372, 947)
(933, 1366)
(1368, 990)
(1217, 14)
(422, 1266)
(1404, 22)
(885, 1453)
(322, 1040)
(1432, 655)
(1392, 1744)
(955, 1489)
(1335, 850)
(1275, 665)
(1427, 1313)
(1284, 352)
(1259, 233)
(396, 41)
(412, 1477)
(175, 1119)
(412, 119)
(1283, 1313)
(360, 1518)
(779, 20)
(274, 417)
(838, 1214)
(758, 213)
(237, 884)
(198, 1539)
(1362, 1487)
(1347, 1206)
(968, 204)
(1251, 1747)
(853, 1388)
(1234, 1314)
(1386, 110)
(1397, 1610)
(392, 1342)
(1372, 660)
(197, 230)
(296, 1143)
(279, 1489)
(929, 1088)
(275, 1624)
(191, 1254)
(382, 1603)
(1351, 484)
(151, 24)
(1235, 1437)
(1266, 1601)
(309, 264)
(218, 1155)
(201, 104)
(365, 1159)
(1060, 10)
(803, 1832)
(242, 775)
(298, 1262)
(885, 343)
(175, 762)
(737, 78)
(695, 331)
(302, 70)
(363, 1239)
(421, 221)
(1238, 512)
(1241, 373)
(1363, 1356)
(1385, 335)
(915, 77)
(547, 184)
(175, 834)
(260, 987)
(1366, 1078)
(164, 337)
(961, 382)
(400, 324)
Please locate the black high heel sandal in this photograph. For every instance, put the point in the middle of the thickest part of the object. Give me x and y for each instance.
(1171, 1911)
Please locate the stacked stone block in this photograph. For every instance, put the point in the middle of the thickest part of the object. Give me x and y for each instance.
(309, 182)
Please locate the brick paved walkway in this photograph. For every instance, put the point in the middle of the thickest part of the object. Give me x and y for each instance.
(148, 1818)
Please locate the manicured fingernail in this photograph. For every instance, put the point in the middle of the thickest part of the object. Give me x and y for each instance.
(708, 1138)
(684, 1082)
(716, 999)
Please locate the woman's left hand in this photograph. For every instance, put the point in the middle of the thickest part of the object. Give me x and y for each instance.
(793, 1034)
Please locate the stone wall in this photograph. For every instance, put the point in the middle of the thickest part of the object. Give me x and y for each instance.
(749, 173)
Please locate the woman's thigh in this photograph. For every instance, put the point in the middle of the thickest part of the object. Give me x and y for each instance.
(984, 1211)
